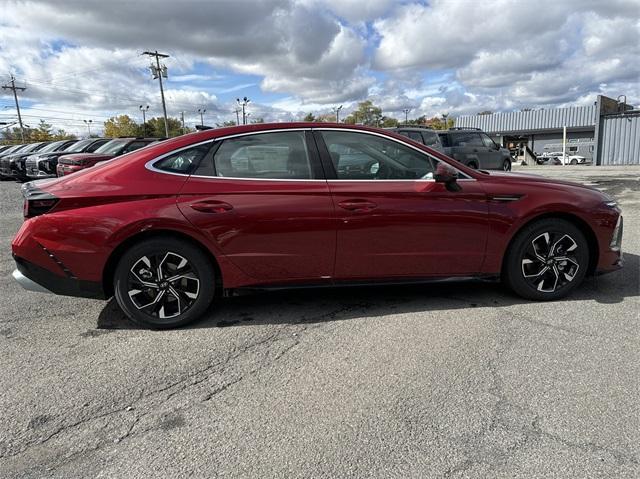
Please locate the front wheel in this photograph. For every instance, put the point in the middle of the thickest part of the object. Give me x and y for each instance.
(546, 260)
(164, 283)
(506, 165)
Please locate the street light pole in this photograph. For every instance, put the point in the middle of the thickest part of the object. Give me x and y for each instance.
(337, 110)
(406, 116)
(237, 110)
(159, 73)
(202, 111)
(144, 109)
(245, 101)
(88, 123)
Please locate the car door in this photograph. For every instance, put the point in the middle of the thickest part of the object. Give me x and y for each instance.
(493, 156)
(396, 221)
(263, 201)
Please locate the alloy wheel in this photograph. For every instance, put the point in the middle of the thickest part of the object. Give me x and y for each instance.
(163, 285)
(550, 261)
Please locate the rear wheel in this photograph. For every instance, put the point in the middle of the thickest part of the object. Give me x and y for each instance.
(164, 283)
(546, 260)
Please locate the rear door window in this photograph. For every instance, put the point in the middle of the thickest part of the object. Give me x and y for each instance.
(280, 156)
(430, 138)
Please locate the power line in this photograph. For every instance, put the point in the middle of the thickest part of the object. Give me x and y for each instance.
(15, 96)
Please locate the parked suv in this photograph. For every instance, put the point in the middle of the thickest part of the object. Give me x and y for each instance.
(474, 148)
(6, 152)
(425, 136)
(11, 165)
(68, 164)
(43, 164)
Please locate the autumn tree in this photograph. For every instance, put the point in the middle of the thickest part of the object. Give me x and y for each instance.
(122, 126)
(309, 117)
(366, 113)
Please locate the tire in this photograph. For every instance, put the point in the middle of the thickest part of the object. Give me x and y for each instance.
(573, 162)
(554, 256)
(161, 303)
(506, 165)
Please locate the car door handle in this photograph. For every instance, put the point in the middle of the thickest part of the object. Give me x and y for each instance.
(357, 205)
(211, 206)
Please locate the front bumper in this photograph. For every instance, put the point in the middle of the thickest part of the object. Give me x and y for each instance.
(35, 278)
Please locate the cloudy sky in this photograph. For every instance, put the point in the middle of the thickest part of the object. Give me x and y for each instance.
(81, 60)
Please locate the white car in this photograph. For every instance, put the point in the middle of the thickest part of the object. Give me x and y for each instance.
(569, 160)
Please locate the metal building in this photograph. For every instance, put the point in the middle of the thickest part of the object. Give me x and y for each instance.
(607, 132)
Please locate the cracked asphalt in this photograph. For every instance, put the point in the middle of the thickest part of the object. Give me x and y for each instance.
(462, 380)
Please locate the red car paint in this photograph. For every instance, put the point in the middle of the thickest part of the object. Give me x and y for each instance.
(68, 164)
(319, 231)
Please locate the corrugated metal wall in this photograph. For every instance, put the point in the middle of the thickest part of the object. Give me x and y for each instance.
(519, 121)
(620, 140)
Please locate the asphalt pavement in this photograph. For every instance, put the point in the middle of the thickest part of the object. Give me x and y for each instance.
(457, 380)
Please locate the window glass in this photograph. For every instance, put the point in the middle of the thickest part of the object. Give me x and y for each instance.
(430, 138)
(183, 161)
(52, 146)
(488, 142)
(415, 136)
(134, 145)
(469, 139)
(359, 156)
(280, 155)
(110, 147)
(95, 146)
(444, 139)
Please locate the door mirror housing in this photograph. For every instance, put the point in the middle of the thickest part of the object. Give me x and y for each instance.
(447, 175)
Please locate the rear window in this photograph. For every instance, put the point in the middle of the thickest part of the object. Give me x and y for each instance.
(183, 161)
(430, 138)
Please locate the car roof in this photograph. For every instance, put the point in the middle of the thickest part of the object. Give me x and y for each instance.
(413, 128)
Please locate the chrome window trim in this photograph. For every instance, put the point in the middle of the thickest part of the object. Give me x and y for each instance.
(149, 164)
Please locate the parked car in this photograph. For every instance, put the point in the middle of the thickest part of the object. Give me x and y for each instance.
(5, 152)
(68, 164)
(475, 149)
(11, 165)
(426, 136)
(43, 164)
(169, 227)
(26, 161)
(568, 160)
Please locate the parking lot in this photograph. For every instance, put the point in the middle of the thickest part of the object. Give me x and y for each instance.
(456, 380)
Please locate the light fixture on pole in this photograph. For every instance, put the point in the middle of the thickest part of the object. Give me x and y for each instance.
(202, 111)
(88, 123)
(245, 101)
(337, 110)
(406, 115)
(144, 110)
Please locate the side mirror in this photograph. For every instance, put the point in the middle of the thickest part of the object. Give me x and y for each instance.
(447, 175)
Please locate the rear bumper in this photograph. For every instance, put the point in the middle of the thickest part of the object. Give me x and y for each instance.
(35, 278)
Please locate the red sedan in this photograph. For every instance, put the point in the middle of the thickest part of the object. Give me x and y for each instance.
(168, 228)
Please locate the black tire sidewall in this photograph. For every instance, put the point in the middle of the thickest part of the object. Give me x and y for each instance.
(198, 261)
(512, 273)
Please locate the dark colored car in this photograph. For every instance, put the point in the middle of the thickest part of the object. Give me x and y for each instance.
(68, 164)
(8, 150)
(43, 164)
(168, 228)
(426, 136)
(475, 149)
(13, 166)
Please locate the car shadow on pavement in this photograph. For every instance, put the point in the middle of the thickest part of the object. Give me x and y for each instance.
(316, 305)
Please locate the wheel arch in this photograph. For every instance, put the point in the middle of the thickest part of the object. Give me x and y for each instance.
(112, 262)
(582, 225)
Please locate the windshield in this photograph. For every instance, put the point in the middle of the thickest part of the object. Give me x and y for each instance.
(13, 149)
(79, 146)
(52, 146)
(111, 147)
(31, 147)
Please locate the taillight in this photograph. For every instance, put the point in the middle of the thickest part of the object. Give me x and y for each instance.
(36, 201)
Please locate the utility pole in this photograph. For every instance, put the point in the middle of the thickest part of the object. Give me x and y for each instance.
(159, 73)
(406, 116)
(444, 118)
(88, 123)
(144, 109)
(237, 110)
(202, 111)
(243, 104)
(337, 110)
(15, 97)
(182, 118)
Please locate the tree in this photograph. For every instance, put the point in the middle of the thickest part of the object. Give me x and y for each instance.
(309, 117)
(155, 127)
(388, 122)
(42, 132)
(124, 126)
(366, 113)
(326, 118)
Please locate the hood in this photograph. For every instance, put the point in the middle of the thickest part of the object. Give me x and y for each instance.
(85, 156)
(529, 178)
(51, 154)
